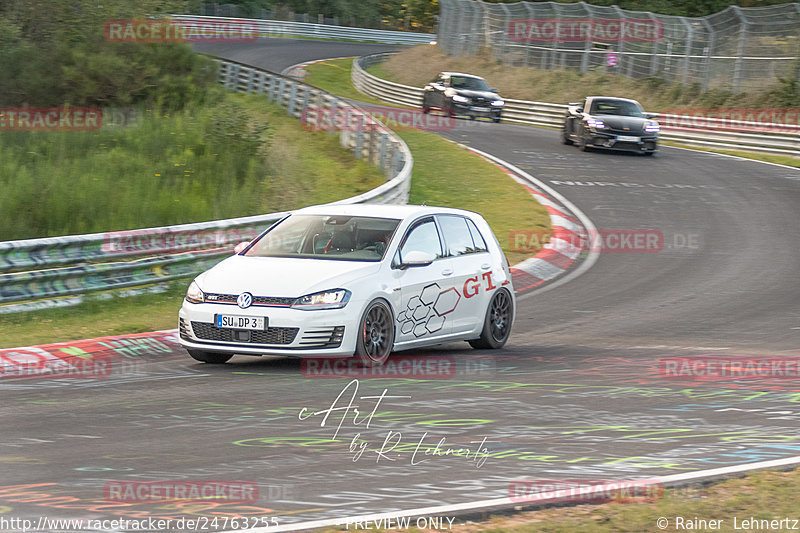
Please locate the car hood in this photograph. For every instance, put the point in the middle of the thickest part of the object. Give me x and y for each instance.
(488, 95)
(282, 276)
(616, 122)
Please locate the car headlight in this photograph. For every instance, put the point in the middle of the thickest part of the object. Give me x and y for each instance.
(333, 299)
(652, 127)
(459, 98)
(194, 294)
(595, 124)
(498, 103)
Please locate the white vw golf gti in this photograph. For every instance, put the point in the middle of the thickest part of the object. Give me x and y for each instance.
(361, 280)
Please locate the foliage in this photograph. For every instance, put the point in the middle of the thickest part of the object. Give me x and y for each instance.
(54, 52)
(241, 156)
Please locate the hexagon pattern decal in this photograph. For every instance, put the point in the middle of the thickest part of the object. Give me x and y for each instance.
(426, 312)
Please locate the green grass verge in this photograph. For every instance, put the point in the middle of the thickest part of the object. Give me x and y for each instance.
(95, 318)
(334, 76)
(759, 496)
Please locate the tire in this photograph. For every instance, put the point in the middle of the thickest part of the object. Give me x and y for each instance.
(210, 357)
(649, 153)
(472, 117)
(566, 140)
(497, 323)
(582, 144)
(425, 110)
(496, 120)
(375, 334)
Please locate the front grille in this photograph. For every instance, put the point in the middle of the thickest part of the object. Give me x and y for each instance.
(210, 332)
(273, 301)
(183, 328)
(323, 337)
(633, 131)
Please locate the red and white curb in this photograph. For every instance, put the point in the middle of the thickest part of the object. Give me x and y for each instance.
(568, 240)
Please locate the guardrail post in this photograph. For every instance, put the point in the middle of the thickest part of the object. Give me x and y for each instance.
(270, 96)
(292, 99)
(357, 151)
(251, 80)
(281, 88)
(382, 151)
(743, 30)
(397, 161)
(262, 82)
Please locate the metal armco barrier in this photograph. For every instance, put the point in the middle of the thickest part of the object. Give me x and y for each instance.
(62, 267)
(282, 28)
(714, 133)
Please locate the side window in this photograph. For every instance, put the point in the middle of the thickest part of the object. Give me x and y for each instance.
(456, 235)
(477, 238)
(423, 237)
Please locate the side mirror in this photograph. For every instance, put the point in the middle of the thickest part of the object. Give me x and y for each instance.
(651, 115)
(240, 247)
(417, 259)
(493, 90)
(579, 110)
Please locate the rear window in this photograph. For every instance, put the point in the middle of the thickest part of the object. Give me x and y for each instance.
(461, 239)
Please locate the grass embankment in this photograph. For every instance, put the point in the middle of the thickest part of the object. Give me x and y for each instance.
(448, 175)
(418, 65)
(191, 166)
(109, 180)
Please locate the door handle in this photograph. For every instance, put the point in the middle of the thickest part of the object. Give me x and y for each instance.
(486, 266)
(447, 271)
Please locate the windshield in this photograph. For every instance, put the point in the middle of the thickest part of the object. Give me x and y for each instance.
(327, 237)
(616, 107)
(468, 83)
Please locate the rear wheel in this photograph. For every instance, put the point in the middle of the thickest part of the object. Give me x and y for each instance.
(425, 110)
(649, 153)
(497, 323)
(210, 357)
(565, 139)
(375, 334)
(582, 144)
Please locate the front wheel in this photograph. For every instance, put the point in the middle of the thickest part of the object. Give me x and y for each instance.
(210, 357)
(375, 334)
(565, 139)
(497, 323)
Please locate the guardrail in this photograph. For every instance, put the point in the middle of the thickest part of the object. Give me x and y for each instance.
(771, 138)
(56, 271)
(270, 28)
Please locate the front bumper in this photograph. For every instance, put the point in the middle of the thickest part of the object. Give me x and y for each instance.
(490, 111)
(609, 141)
(288, 332)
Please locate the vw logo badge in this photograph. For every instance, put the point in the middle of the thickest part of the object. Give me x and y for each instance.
(244, 300)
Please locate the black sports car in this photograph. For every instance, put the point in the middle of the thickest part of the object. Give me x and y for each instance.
(612, 124)
(462, 94)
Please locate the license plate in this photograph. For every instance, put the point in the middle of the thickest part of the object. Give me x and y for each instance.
(482, 109)
(240, 322)
(628, 138)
